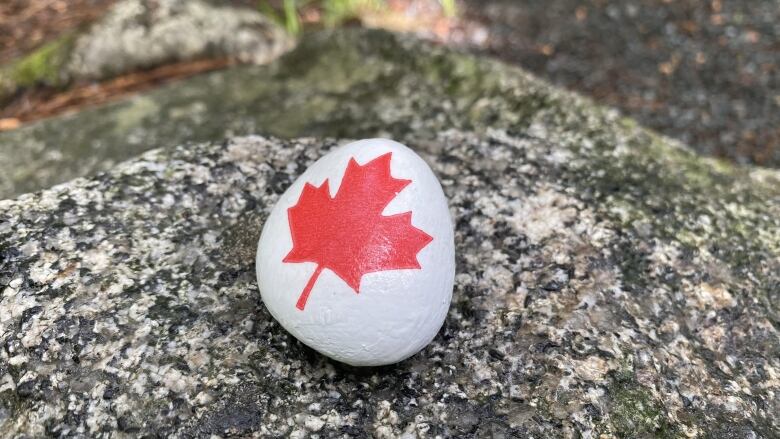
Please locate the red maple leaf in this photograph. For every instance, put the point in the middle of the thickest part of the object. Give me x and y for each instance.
(347, 233)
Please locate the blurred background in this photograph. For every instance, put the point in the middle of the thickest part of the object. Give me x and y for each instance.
(704, 72)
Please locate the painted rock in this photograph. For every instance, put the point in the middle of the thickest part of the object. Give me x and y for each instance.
(357, 258)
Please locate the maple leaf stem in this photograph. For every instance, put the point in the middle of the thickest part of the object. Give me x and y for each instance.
(307, 289)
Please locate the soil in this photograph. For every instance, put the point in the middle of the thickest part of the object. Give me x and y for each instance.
(26, 24)
(705, 72)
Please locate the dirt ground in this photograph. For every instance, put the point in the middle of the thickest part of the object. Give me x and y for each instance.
(704, 72)
(26, 24)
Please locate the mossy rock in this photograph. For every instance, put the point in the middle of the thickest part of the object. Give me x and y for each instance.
(345, 84)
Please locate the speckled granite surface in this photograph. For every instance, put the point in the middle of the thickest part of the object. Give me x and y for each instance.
(609, 283)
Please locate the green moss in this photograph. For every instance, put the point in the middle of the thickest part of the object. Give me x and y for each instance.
(633, 412)
(698, 205)
(134, 114)
(43, 66)
(10, 405)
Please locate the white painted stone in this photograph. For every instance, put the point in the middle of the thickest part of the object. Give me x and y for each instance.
(397, 312)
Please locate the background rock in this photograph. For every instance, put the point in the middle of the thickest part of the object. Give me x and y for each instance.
(142, 34)
(145, 33)
(351, 83)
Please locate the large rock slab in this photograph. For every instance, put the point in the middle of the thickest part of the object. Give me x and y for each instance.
(609, 285)
(345, 84)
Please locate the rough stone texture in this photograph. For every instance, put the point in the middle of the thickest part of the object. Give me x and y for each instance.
(141, 33)
(607, 283)
(609, 280)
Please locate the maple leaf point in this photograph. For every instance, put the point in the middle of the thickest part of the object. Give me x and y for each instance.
(347, 233)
